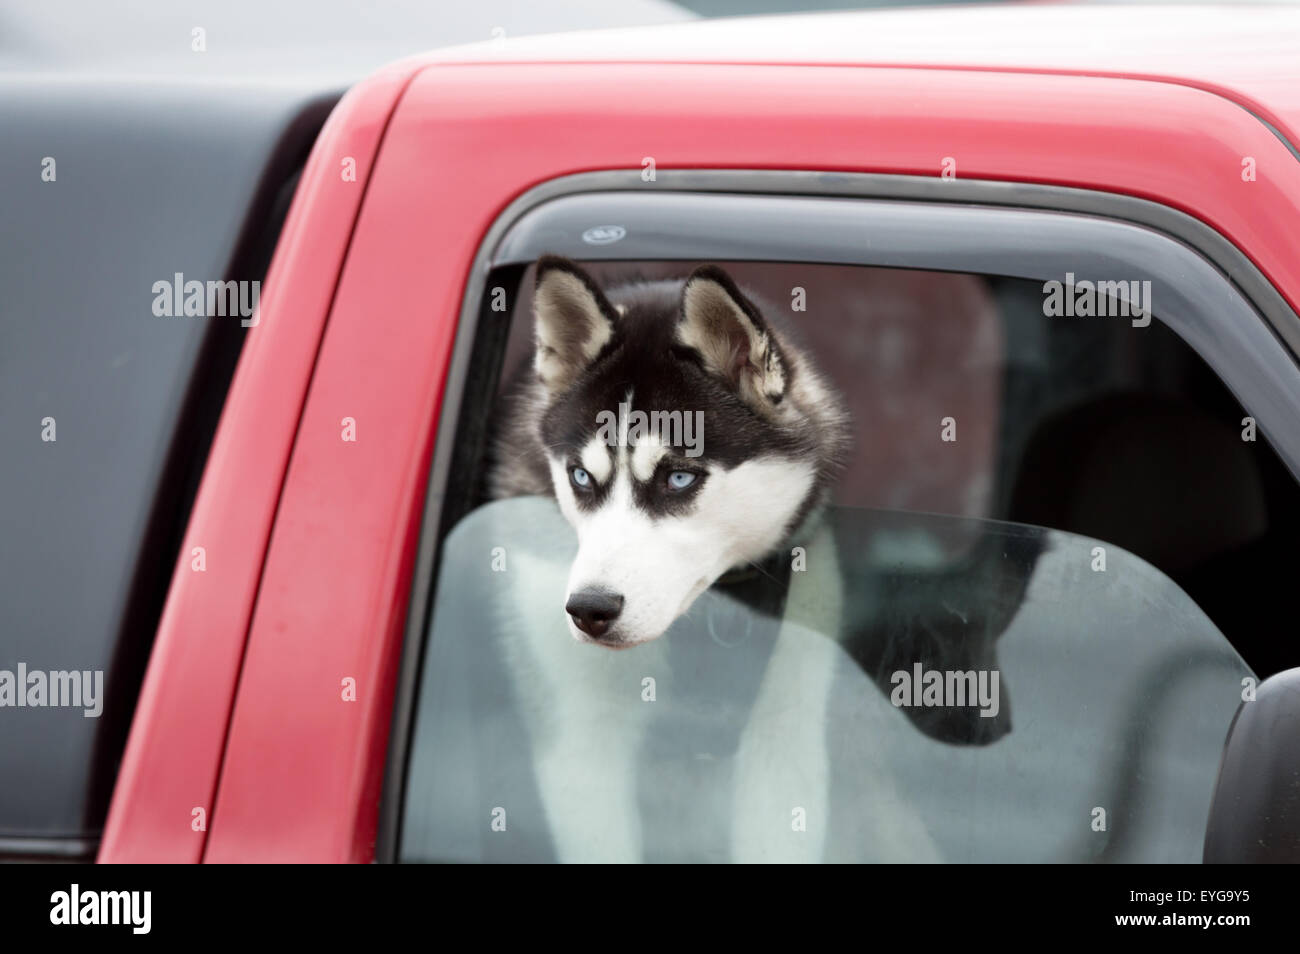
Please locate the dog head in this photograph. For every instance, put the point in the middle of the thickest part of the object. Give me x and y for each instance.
(683, 438)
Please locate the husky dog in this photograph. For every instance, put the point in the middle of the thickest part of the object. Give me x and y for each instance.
(685, 435)
(744, 438)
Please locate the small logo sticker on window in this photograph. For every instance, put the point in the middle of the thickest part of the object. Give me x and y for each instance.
(603, 234)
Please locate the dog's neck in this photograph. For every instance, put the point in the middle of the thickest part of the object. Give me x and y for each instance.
(780, 554)
(764, 584)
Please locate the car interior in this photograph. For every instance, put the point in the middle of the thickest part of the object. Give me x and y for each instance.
(979, 553)
(1090, 426)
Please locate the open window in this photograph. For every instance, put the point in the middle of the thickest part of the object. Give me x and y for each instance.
(1056, 513)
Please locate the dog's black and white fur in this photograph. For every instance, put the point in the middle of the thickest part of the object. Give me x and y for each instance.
(774, 435)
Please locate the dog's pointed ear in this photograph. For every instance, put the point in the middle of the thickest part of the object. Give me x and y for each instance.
(573, 321)
(727, 331)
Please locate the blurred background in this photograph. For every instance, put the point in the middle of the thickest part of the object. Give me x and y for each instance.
(341, 39)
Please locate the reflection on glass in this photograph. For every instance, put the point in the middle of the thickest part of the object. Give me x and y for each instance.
(916, 688)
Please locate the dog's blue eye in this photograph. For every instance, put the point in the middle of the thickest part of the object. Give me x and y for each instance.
(680, 479)
(580, 478)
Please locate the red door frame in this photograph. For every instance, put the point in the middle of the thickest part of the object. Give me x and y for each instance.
(167, 782)
(296, 773)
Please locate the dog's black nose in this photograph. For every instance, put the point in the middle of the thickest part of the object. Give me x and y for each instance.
(594, 610)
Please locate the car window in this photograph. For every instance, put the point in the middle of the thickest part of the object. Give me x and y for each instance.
(1096, 426)
(1073, 502)
(1081, 715)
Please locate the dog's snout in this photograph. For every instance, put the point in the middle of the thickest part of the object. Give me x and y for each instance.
(594, 610)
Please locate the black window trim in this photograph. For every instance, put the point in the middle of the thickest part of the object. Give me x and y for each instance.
(1248, 308)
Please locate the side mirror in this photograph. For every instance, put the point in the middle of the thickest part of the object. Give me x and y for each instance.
(1255, 814)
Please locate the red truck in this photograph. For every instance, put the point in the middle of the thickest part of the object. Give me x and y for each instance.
(317, 688)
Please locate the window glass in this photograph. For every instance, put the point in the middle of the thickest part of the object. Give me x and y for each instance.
(1081, 714)
(1058, 511)
(1093, 425)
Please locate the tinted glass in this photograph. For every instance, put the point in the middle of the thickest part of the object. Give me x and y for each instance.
(1093, 704)
(1082, 536)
